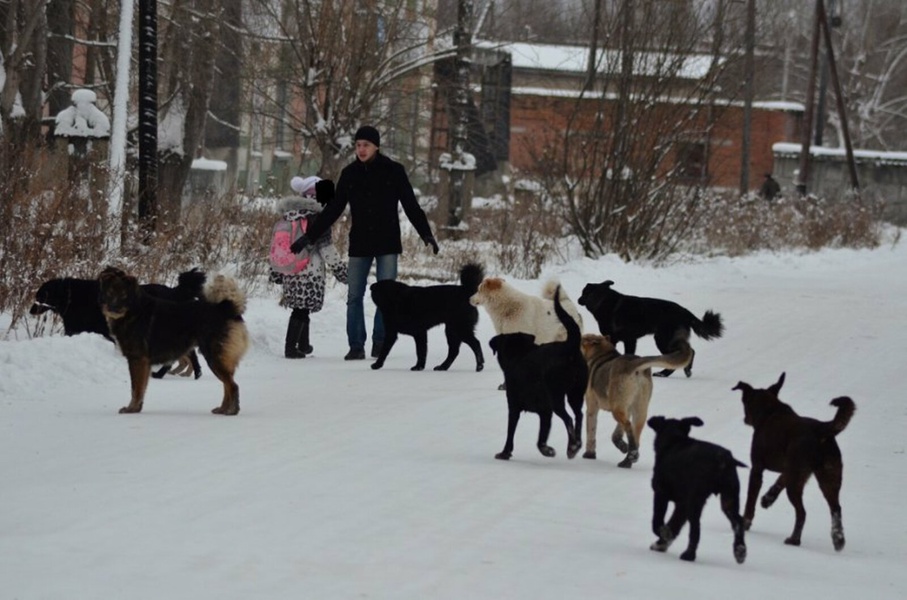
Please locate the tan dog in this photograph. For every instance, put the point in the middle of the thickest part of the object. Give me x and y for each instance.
(623, 385)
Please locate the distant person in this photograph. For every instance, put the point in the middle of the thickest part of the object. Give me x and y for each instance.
(770, 189)
(373, 185)
(303, 292)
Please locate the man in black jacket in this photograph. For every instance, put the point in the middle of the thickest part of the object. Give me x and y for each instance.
(373, 186)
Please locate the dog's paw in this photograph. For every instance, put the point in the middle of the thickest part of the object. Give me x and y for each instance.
(503, 455)
(547, 451)
(792, 541)
(688, 371)
(689, 555)
(198, 374)
(228, 412)
(663, 373)
(128, 410)
(441, 367)
(740, 552)
(479, 367)
(503, 386)
(377, 365)
(157, 375)
(418, 368)
(659, 546)
(572, 449)
(588, 454)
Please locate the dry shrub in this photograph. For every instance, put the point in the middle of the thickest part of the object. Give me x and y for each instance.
(739, 226)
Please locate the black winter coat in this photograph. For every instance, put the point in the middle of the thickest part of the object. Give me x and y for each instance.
(373, 191)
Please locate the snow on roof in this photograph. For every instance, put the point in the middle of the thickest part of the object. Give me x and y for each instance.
(879, 156)
(575, 59)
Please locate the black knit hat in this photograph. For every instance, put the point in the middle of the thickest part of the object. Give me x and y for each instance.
(368, 133)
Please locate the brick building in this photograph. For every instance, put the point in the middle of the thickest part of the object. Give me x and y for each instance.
(543, 84)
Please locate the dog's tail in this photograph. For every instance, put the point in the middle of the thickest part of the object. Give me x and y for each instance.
(471, 275)
(710, 327)
(678, 358)
(846, 409)
(226, 292)
(190, 284)
(574, 334)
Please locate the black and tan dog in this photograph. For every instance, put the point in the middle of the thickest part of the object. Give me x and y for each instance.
(626, 318)
(75, 301)
(687, 471)
(622, 385)
(797, 448)
(413, 310)
(148, 331)
(537, 379)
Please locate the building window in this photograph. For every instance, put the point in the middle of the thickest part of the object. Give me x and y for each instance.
(691, 161)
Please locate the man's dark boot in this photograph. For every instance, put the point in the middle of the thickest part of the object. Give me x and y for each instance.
(303, 343)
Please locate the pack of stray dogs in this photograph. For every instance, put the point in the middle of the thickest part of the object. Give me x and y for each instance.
(550, 367)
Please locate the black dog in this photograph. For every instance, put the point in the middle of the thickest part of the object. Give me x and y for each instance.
(75, 301)
(152, 331)
(687, 471)
(797, 447)
(537, 378)
(414, 310)
(627, 318)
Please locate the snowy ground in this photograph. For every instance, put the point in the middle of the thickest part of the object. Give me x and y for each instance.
(339, 482)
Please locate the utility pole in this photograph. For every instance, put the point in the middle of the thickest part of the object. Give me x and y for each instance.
(148, 205)
(806, 137)
(748, 93)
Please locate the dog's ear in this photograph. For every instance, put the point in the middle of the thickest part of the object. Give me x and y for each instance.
(607, 283)
(656, 423)
(743, 386)
(692, 422)
(776, 387)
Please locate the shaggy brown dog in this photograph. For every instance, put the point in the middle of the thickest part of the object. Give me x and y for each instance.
(148, 331)
(687, 471)
(623, 385)
(797, 447)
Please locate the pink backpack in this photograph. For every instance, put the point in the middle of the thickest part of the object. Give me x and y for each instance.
(280, 256)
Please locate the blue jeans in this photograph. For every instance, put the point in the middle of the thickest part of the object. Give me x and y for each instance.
(359, 267)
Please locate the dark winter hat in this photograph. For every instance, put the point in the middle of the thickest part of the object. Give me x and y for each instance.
(368, 133)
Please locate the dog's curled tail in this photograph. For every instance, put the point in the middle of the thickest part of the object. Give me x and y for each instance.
(710, 327)
(226, 290)
(846, 409)
(471, 276)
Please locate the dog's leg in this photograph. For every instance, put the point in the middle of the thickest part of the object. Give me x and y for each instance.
(421, 339)
(688, 370)
(659, 509)
(829, 478)
(730, 506)
(544, 431)
(773, 492)
(390, 338)
(663, 343)
(453, 349)
(752, 492)
(139, 371)
(224, 372)
(629, 346)
(159, 374)
(617, 438)
(476, 348)
(513, 417)
(573, 445)
(196, 367)
(591, 426)
(795, 495)
(632, 450)
(694, 518)
(575, 400)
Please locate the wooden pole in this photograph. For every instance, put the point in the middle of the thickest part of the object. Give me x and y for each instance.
(806, 134)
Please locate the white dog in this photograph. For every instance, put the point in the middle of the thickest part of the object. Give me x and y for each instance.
(513, 311)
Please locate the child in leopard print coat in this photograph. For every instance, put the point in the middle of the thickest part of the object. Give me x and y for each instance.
(303, 292)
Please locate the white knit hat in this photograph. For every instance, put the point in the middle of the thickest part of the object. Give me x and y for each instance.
(304, 186)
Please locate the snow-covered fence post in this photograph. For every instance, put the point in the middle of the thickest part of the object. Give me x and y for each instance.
(82, 130)
(455, 196)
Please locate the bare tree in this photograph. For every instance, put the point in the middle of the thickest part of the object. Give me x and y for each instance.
(335, 65)
(626, 166)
